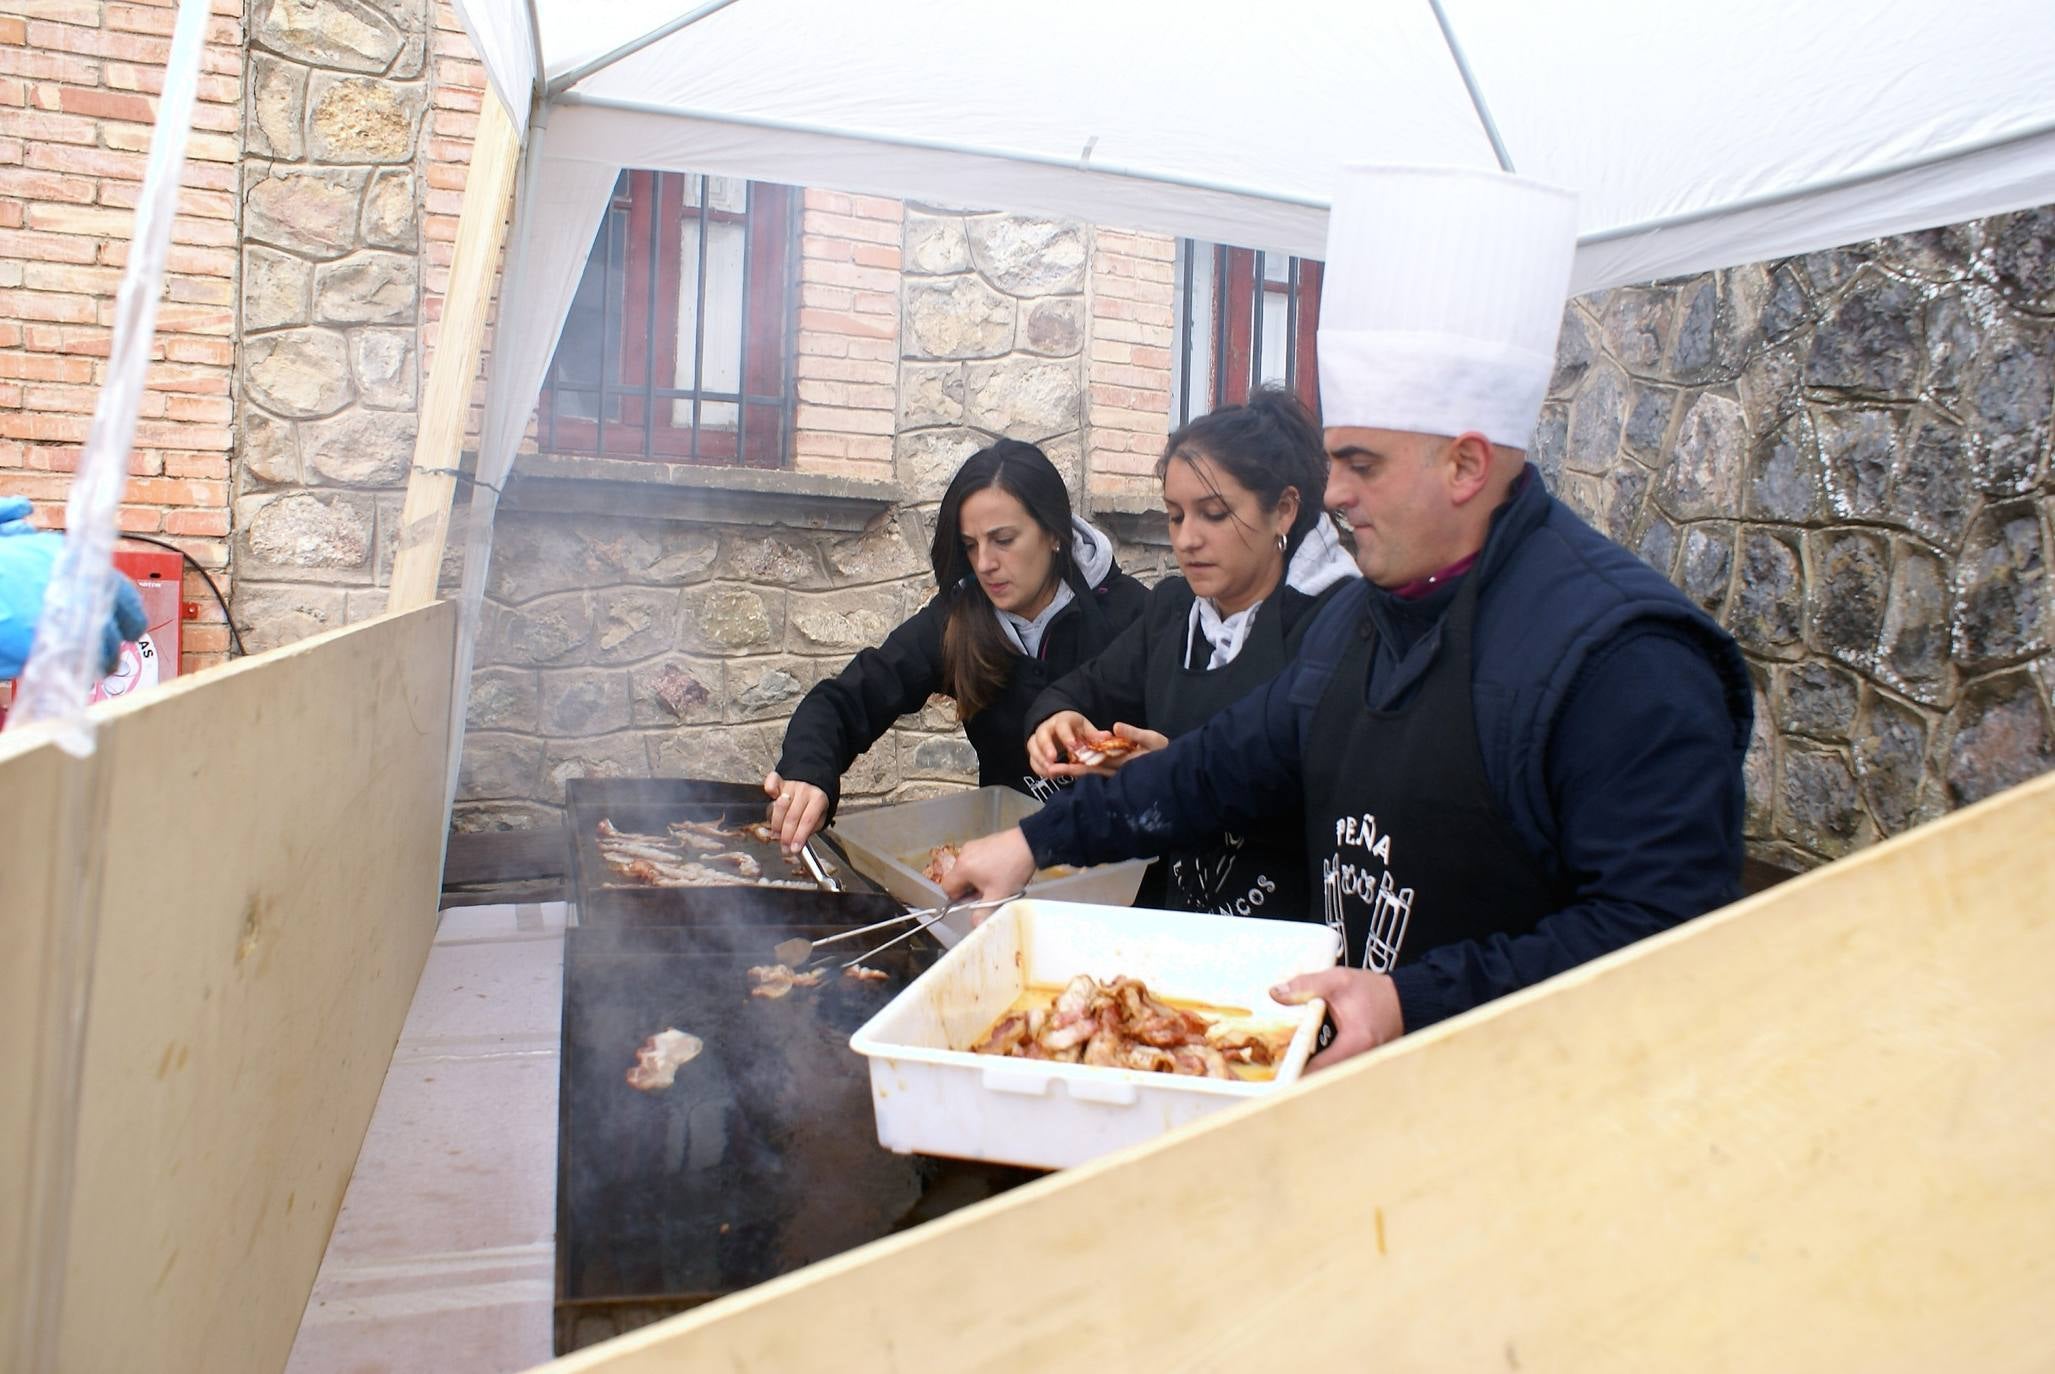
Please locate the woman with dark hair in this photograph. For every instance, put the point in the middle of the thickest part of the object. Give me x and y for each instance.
(1243, 490)
(1025, 592)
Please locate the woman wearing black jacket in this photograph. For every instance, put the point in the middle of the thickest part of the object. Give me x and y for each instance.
(1026, 593)
(1242, 489)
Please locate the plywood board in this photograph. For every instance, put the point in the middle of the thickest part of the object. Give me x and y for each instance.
(1813, 1131)
(268, 868)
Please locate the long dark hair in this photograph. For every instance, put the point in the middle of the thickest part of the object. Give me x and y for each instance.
(1267, 444)
(976, 654)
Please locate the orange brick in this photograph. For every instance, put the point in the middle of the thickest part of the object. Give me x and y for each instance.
(876, 255)
(214, 522)
(38, 486)
(42, 126)
(174, 434)
(850, 227)
(34, 185)
(203, 409)
(842, 420)
(845, 323)
(13, 30)
(176, 491)
(54, 307)
(880, 208)
(105, 104)
(10, 214)
(220, 352)
(140, 519)
(208, 465)
(46, 367)
(202, 646)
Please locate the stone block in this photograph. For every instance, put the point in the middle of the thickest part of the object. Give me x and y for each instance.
(1596, 419)
(726, 620)
(481, 817)
(1551, 439)
(1915, 632)
(1694, 355)
(1647, 425)
(1025, 256)
(956, 317)
(583, 701)
(1951, 335)
(1869, 342)
(720, 753)
(630, 623)
(536, 553)
(930, 394)
(1788, 306)
(1771, 387)
(1998, 736)
(1625, 486)
(1858, 454)
(766, 689)
(2011, 394)
(877, 769)
(274, 288)
(624, 755)
(1817, 700)
(299, 373)
(841, 622)
(1937, 255)
(326, 33)
(361, 448)
(497, 765)
(273, 108)
(303, 534)
(267, 449)
(1575, 350)
(355, 119)
(1769, 595)
(1053, 326)
(2019, 253)
(552, 630)
(927, 459)
(787, 558)
(1759, 771)
(389, 218)
(270, 614)
(1658, 546)
(1703, 479)
(1819, 807)
(503, 699)
(1784, 473)
(1024, 398)
(1849, 582)
(382, 361)
(1833, 268)
(1890, 761)
(943, 756)
(1932, 490)
(1637, 324)
(367, 288)
(309, 212)
(935, 244)
(2001, 589)
(675, 690)
(883, 552)
(1705, 568)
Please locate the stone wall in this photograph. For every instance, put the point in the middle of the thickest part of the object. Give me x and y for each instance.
(1845, 457)
(331, 307)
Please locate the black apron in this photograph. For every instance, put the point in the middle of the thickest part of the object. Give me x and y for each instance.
(1406, 848)
(1257, 872)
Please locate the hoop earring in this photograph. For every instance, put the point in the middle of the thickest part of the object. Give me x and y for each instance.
(1280, 543)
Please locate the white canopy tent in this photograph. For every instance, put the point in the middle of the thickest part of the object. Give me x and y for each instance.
(1696, 135)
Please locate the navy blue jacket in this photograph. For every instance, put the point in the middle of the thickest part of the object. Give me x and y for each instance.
(1612, 713)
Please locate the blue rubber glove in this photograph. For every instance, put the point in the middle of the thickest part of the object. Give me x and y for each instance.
(27, 556)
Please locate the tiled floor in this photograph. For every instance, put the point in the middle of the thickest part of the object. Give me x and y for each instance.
(441, 1257)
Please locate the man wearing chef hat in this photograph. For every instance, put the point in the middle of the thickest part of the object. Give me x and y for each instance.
(1516, 745)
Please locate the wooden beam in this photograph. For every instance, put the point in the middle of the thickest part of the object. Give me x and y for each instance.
(1813, 1131)
(267, 869)
(446, 399)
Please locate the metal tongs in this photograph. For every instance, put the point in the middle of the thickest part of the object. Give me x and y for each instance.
(798, 951)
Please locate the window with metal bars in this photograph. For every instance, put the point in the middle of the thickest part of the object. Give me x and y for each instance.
(1244, 318)
(679, 341)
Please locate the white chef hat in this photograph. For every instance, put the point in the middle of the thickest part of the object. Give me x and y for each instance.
(1441, 301)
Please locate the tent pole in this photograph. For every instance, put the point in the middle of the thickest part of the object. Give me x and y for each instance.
(446, 399)
(1455, 50)
(656, 35)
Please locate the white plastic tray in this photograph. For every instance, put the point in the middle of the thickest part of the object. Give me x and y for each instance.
(933, 1096)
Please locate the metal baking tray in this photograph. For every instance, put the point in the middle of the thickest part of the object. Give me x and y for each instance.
(890, 844)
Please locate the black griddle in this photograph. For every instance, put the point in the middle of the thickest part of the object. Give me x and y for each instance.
(763, 1157)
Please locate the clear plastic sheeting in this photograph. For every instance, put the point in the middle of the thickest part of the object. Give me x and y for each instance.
(65, 662)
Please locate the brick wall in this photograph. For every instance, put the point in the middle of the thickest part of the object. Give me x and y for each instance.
(846, 354)
(78, 87)
(1128, 375)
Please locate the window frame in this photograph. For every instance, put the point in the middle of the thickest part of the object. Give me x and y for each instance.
(1235, 348)
(649, 213)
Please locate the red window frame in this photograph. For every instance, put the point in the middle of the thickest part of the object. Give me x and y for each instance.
(1236, 345)
(640, 240)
